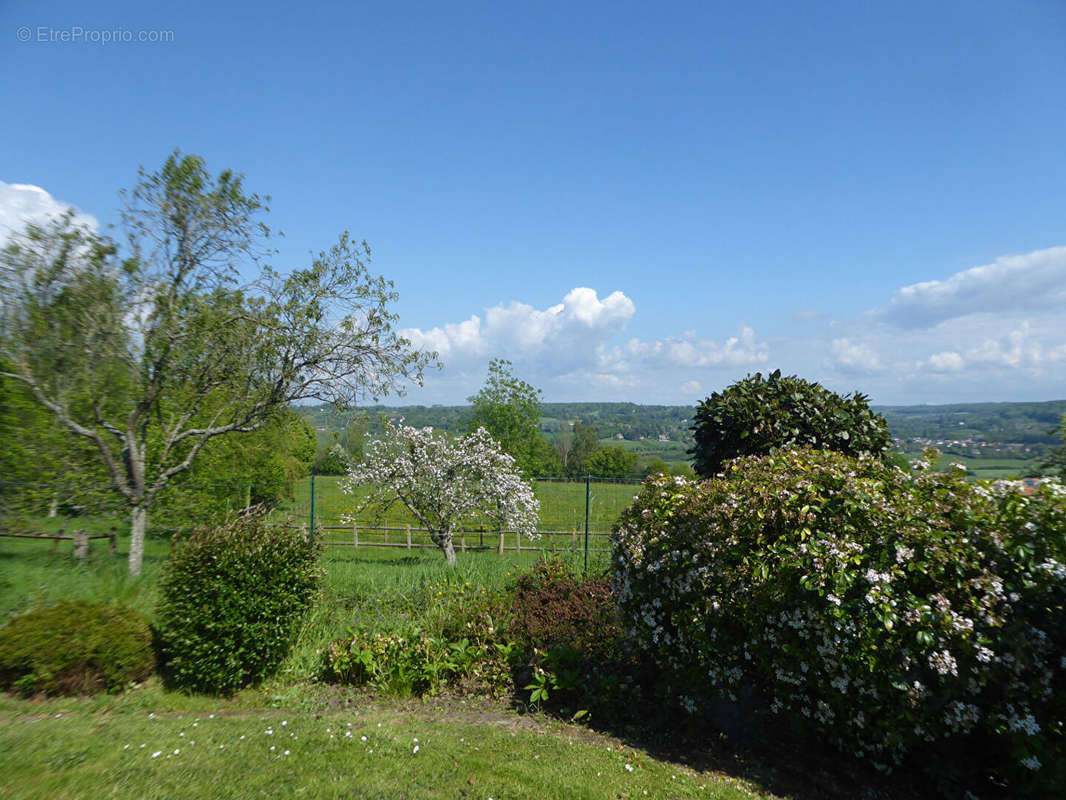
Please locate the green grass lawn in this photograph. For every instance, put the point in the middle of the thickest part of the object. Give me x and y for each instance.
(562, 504)
(147, 744)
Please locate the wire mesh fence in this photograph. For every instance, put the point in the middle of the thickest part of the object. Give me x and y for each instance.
(576, 516)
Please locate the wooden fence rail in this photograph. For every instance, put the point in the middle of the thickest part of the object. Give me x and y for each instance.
(79, 538)
(404, 537)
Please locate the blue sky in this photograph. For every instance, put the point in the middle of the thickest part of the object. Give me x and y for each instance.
(637, 202)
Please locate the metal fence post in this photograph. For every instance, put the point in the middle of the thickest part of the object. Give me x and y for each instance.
(588, 504)
(312, 509)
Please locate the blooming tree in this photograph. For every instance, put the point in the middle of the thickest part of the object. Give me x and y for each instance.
(445, 481)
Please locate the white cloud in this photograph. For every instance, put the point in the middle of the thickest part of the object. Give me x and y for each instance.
(571, 330)
(948, 361)
(454, 339)
(569, 349)
(1021, 350)
(1031, 282)
(22, 203)
(691, 387)
(743, 349)
(855, 358)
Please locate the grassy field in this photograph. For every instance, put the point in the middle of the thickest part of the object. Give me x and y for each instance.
(562, 504)
(987, 468)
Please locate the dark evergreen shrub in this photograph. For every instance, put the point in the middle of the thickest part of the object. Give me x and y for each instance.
(757, 416)
(75, 648)
(232, 598)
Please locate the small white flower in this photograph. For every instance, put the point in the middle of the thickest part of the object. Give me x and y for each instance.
(157, 754)
(416, 749)
(362, 738)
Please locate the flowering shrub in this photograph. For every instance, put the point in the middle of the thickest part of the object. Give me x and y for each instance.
(75, 647)
(904, 616)
(445, 481)
(231, 599)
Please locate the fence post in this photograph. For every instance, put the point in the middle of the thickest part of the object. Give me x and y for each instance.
(588, 504)
(462, 541)
(111, 537)
(499, 550)
(312, 508)
(408, 537)
(518, 541)
(81, 545)
(355, 536)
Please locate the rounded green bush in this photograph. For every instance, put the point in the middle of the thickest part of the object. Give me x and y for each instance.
(907, 618)
(75, 648)
(758, 416)
(231, 600)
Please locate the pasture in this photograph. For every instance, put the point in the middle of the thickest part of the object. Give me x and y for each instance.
(562, 505)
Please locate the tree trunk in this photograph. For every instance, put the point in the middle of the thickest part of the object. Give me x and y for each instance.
(449, 550)
(138, 526)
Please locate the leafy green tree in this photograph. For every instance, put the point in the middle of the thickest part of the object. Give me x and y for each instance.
(1056, 462)
(584, 442)
(189, 336)
(234, 472)
(611, 462)
(759, 415)
(655, 466)
(342, 449)
(509, 409)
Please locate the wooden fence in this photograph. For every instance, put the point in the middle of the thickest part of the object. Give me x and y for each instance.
(79, 538)
(411, 538)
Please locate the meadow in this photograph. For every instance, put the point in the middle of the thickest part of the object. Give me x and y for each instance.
(295, 734)
(562, 505)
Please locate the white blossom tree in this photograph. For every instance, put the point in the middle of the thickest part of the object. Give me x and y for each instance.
(445, 481)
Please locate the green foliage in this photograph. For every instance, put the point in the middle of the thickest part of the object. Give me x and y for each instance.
(75, 648)
(164, 346)
(611, 462)
(584, 443)
(509, 409)
(757, 416)
(236, 471)
(550, 606)
(1056, 462)
(231, 600)
(909, 619)
(400, 663)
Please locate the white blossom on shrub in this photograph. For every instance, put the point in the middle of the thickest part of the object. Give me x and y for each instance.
(445, 482)
(896, 613)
